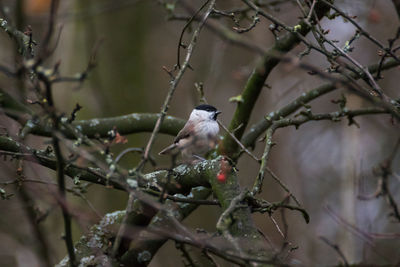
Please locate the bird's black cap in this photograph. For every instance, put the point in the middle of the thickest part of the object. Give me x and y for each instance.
(206, 108)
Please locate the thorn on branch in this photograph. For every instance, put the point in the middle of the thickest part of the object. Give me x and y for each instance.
(74, 112)
(169, 72)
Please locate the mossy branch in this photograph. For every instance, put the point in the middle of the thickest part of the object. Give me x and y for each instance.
(93, 248)
(23, 41)
(182, 180)
(125, 124)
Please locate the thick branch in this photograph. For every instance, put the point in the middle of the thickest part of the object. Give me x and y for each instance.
(183, 178)
(146, 243)
(240, 224)
(126, 124)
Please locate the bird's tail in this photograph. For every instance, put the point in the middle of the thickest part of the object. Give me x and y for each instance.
(168, 149)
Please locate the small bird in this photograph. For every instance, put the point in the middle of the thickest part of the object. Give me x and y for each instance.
(198, 136)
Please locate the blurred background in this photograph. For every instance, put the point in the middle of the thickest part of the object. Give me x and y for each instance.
(326, 165)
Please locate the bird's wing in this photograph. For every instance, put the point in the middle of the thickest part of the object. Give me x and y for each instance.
(167, 149)
(186, 131)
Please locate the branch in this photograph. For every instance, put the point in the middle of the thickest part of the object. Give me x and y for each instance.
(91, 248)
(361, 30)
(175, 81)
(147, 244)
(256, 83)
(336, 248)
(125, 124)
(240, 223)
(257, 129)
(23, 41)
(181, 179)
(305, 117)
(396, 4)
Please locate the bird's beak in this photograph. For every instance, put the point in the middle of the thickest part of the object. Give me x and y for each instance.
(218, 112)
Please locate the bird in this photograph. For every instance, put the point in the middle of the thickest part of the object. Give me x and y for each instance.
(198, 136)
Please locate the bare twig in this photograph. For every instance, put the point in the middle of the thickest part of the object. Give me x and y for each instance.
(361, 30)
(256, 19)
(260, 127)
(306, 117)
(174, 83)
(188, 23)
(352, 228)
(238, 142)
(384, 171)
(336, 248)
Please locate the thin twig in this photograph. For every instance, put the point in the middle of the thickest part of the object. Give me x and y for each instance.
(126, 151)
(277, 226)
(336, 248)
(60, 162)
(188, 23)
(238, 142)
(352, 228)
(361, 30)
(257, 187)
(174, 83)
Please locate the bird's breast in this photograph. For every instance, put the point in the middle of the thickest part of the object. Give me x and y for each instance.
(207, 129)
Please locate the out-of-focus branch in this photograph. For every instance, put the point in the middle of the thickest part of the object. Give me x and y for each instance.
(42, 242)
(256, 82)
(14, 109)
(23, 41)
(60, 163)
(384, 171)
(45, 50)
(336, 248)
(396, 4)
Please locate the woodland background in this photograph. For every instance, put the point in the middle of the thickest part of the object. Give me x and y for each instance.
(327, 165)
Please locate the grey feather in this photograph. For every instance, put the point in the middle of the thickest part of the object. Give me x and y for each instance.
(168, 149)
